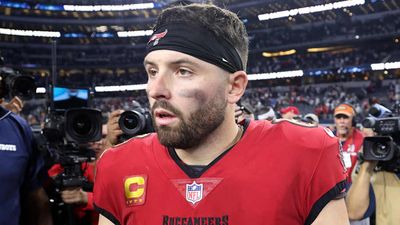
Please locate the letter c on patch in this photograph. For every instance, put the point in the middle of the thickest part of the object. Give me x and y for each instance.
(139, 182)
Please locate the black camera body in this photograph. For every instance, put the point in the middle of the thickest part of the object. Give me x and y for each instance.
(79, 125)
(383, 126)
(384, 147)
(68, 134)
(380, 148)
(70, 127)
(14, 84)
(135, 122)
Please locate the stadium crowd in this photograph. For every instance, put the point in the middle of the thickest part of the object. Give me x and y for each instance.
(318, 99)
(344, 29)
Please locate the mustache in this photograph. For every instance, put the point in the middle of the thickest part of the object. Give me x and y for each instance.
(167, 106)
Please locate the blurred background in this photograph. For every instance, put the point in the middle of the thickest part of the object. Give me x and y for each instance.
(313, 54)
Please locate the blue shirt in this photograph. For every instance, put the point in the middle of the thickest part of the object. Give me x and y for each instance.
(20, 165)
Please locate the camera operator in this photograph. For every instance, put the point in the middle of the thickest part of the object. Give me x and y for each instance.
(376, 184)
(22, 197)
(124, 124)
(113, 129)
(82, 200)
(350, 137)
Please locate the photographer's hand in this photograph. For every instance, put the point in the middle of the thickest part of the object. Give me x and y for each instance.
(15, 105)
(113, 129)
(74, 196)
(358, 195)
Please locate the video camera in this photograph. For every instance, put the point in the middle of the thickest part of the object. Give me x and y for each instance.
(14, 84)
(135, 122)
(384, 147)
(70, 127)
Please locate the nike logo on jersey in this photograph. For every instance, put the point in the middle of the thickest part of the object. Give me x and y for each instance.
(8, 147)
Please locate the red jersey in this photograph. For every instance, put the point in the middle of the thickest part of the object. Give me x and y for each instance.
(351, 147)
(276, 174)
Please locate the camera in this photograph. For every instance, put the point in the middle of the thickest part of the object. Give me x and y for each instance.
(14, 84)
(70, 120)
(80, 126)
(135, 122)
(380, 148)
(68, 134)
(384, 147)
(382, 126)
(70, 127)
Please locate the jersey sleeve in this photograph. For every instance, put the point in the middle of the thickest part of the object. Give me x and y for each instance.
(104, 199)
(328, 181)
(35, 173)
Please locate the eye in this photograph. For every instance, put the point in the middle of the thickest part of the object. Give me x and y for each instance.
(184, 72)
(151, 72)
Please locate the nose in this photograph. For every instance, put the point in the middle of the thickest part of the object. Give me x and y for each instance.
(158, 87)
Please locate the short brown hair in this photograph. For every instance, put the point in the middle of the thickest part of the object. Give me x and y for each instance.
(223, 23)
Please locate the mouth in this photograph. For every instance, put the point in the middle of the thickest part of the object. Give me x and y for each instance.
(164, 117)
(162, 113)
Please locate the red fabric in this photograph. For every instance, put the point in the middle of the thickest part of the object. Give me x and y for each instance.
(274, 175)
(352, 146)
(82, 210)
(55, 170)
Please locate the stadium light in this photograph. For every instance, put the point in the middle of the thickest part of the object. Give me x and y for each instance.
(321, 49)
(94, 8)
(385, 66)
(280, 53)
(135, 33)
(40, 90)
(121, 88)
(311, 9)
(135, 87)
(31, 33)
(276, 75)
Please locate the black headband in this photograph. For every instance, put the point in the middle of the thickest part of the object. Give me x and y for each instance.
(198, 42)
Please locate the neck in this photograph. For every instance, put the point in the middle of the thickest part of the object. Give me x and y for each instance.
(345, 136)
(217, 142)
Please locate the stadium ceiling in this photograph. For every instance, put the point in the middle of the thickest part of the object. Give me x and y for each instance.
(248, 10)
(84, 37)
(20, 17)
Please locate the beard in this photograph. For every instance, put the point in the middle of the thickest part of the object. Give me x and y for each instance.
(191, 132)
(342, 131)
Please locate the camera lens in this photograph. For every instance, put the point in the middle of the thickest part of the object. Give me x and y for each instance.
(132, 122)
(82, 125)
(368, 122)
(380, 150)
(24, 87)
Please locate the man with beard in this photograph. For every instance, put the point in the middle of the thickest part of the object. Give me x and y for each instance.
(350, 137)
(200, 167)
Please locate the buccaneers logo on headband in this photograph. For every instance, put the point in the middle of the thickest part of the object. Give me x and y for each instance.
(157, 37)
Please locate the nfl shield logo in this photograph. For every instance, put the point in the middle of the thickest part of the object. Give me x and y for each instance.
(194, 192)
